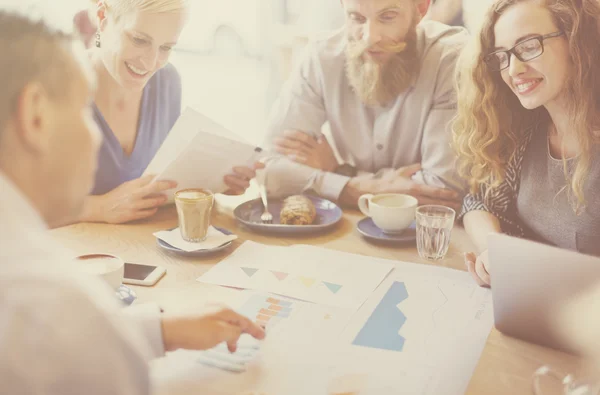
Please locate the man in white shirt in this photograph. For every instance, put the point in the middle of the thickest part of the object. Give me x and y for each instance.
(62, 332)
(385, 85)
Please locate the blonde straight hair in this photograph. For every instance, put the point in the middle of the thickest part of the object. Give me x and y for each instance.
(122, 7)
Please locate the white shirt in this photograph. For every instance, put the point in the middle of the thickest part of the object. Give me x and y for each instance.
(412, 129)
(63, 332)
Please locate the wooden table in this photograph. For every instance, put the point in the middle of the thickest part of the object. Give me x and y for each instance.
(506, 364)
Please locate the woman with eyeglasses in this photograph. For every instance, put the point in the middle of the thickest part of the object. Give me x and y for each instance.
(527, 131)
(137, 101)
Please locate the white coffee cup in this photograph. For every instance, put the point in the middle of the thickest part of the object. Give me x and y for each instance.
(108, 267)
(391, 212)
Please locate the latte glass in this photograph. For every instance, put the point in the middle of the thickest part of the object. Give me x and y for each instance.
(194, 208)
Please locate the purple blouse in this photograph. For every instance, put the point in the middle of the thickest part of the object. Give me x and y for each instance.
(160, 108)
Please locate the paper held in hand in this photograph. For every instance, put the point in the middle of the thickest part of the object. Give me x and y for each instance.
(199, 153)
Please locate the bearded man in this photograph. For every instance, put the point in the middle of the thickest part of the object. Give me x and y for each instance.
(384, 83)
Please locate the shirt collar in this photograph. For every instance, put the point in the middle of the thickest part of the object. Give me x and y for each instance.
(16, 210)
(25, 241)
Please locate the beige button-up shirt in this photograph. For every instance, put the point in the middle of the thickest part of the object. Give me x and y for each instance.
(412, 129)
(62, 332)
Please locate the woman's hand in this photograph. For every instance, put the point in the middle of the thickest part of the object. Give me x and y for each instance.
(478, 266)
(130, 201)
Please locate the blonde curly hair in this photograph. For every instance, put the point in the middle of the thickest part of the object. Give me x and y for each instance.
(491, 122)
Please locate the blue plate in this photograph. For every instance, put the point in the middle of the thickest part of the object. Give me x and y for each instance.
(370, 231)
(168, 247)
(328, 215)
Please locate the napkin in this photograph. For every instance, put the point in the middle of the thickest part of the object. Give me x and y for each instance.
(214, 239)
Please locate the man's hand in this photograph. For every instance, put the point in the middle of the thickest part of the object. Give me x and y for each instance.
(205, 331)
(239, 179)
(399, 181)
(305, 149)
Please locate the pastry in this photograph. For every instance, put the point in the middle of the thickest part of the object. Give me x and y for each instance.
(297, 210)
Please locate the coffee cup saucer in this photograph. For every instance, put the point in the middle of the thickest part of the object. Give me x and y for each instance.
(199, 253)
(370, 231)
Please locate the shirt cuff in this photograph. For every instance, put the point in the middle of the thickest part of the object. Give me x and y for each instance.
(147, 317)
(330, 185)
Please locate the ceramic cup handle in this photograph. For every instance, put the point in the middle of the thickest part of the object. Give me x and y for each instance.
(363, 204)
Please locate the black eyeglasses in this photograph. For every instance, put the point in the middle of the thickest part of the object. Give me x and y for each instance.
(525, 51)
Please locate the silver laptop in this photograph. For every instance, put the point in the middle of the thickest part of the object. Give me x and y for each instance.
(530, 281)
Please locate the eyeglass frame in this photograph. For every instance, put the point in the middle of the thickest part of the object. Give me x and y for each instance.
(540, 38)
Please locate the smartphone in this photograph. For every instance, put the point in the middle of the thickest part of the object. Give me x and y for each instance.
(147, 275)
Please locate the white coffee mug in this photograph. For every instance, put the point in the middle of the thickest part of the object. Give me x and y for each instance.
(391, 212)
(108, 267)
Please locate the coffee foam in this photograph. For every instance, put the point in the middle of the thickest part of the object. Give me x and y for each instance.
(192, 194)
(393, 201)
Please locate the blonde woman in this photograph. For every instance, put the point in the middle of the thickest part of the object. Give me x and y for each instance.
(527, 127)
(138, 99)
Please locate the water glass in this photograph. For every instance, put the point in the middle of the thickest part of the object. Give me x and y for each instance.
(434, 226)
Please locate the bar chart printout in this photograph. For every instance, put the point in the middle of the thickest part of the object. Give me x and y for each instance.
(266, 311)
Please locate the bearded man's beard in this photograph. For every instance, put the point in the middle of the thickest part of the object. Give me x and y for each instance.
(379, 84)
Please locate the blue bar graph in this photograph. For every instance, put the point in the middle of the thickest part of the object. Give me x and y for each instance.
(381, 329)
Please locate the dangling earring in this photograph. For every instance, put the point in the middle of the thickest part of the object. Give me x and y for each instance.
(98, 45)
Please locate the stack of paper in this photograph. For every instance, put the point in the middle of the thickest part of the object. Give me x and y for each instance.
(198, 153)
(406, 338)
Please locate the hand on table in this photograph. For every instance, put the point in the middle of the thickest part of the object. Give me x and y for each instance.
(205, 331)
(478, 266)
(400, 181)
(239, 180)
(130, 201)
(307, 150)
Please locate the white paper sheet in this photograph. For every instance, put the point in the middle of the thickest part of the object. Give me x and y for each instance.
(311, 351)
(304, 272)
(198, 153)
(425, 326)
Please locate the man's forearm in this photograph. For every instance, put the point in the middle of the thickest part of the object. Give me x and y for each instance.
(147, 317)
(285, 178)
